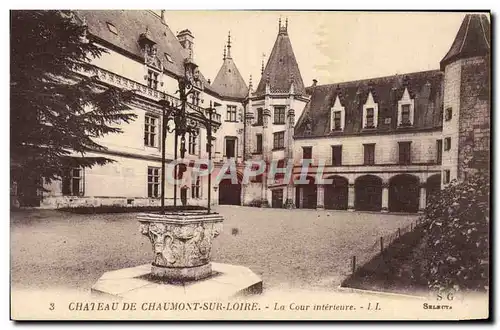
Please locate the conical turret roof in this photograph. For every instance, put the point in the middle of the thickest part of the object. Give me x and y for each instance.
(472, 39)
(281, 68)
(229, 82)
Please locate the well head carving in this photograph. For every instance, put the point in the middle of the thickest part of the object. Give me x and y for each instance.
(181, 240)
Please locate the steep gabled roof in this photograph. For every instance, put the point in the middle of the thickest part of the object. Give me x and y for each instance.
(424, 87)
(281, 67)
(472, 39)
(229, 82)
(128, 26)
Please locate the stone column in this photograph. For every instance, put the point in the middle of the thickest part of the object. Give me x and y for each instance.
(320, 203)
(249, 116)
(266, 153)
(289, 204)
(385, 197)
(351, 197)
(247, 149)
(423, 198)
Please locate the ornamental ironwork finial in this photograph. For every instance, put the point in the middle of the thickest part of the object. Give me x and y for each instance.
(262, 66)
(229, 45)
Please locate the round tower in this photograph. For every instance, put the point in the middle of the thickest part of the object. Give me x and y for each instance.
(466, 102)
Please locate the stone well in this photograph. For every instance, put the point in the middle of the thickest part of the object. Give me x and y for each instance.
(180, 267)
(182, 243)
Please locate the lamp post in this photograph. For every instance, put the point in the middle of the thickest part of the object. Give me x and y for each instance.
(163, 140)
(185, 123)
(180, 258)
(166, 116)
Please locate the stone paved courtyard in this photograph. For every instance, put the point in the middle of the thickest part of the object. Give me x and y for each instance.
(300, 249)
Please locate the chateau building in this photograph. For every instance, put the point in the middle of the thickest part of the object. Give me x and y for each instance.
(386, 143)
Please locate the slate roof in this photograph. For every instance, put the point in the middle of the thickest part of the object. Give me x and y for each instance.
(280, 67)
(424, 87)
(229, 82)
(129, 25)
(472, 39)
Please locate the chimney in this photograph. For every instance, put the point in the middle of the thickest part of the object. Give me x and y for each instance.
(186, 39)
(209, 82)
(315, 82)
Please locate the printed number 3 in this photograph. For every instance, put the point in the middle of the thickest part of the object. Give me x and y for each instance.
(51, 306)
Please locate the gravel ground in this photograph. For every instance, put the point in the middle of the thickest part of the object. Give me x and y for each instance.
(304, 249)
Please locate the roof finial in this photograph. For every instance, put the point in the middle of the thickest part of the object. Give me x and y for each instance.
(405, 80)
(162, 16)
(224, 56)
(250, 83)
(262, 66)
(229, 45)
(279, 24)
(283, 29)
(83, 37)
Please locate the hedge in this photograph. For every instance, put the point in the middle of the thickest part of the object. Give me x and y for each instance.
(457, 236)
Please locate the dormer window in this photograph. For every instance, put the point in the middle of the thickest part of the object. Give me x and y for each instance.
(370, 112)
(405, 110)
(146, 41)
(152, 79)
(337, 116)
(112, 28)
(405, 114)
(195, 98)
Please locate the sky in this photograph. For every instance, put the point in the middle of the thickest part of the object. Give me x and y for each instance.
(331, 47)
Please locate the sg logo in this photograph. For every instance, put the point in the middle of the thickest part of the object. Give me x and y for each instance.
(443, 295)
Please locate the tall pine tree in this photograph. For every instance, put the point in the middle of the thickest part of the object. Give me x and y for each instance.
(58, 106)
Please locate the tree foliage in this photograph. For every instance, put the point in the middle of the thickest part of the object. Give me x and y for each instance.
(58, 106)
(457, 236)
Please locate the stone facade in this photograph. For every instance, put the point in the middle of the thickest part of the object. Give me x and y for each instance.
(474, 128)
(280, 117)
(452, 83)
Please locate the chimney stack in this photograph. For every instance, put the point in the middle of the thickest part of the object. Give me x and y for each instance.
(186, 39)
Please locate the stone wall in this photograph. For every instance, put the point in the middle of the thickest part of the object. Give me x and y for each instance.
(252, 193)
(451, 100)
(423, 148)
(56, 202)
(474, 125)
